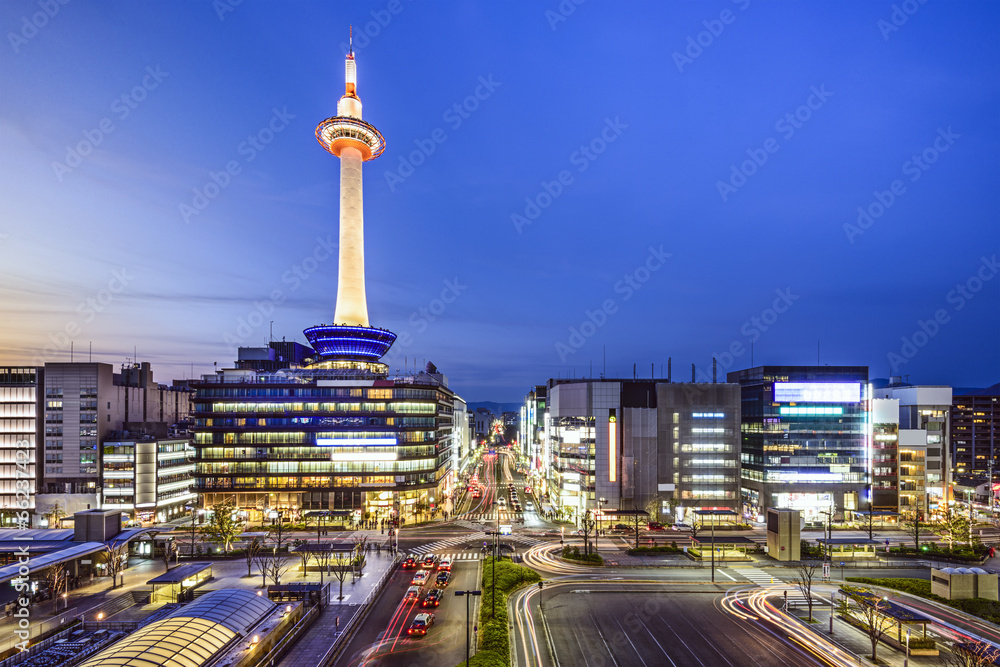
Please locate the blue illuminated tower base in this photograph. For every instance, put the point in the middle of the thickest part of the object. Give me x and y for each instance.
(356, 343)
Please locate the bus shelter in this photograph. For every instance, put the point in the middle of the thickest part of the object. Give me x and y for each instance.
(177, 584)
(850, 547)
(725, 548)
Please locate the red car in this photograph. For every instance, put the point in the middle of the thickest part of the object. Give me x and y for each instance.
(409, 563)
(654, 526)
(420, 624)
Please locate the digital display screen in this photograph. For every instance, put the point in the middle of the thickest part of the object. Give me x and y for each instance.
(817, 392)
(356, 442)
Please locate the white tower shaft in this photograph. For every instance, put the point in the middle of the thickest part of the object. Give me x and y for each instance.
(352, 304)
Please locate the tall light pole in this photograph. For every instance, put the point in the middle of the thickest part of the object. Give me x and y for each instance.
(602, 502)
(467, 594)
(713, 547)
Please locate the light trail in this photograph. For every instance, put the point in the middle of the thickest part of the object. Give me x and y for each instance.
(751, 604)
(540, 557)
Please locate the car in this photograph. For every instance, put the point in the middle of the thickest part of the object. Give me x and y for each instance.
(430, 560)
(530, 506)
(421, 622)
(409, 563)
(443, 578)
(412, 593)
(420, 577)
(527, 489)
(652, 525)
(433, 598)
(680, 526)
(444, 565)
(502, 502)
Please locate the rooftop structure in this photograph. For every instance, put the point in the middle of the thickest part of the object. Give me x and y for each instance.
(191, 636)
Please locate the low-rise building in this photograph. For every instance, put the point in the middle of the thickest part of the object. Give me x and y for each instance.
(149, 479)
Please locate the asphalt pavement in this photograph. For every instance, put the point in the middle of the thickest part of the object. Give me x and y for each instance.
(594, 624)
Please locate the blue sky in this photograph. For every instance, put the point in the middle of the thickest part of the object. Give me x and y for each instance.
(627, 182)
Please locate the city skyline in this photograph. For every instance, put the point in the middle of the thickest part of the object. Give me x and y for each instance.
(817, 183)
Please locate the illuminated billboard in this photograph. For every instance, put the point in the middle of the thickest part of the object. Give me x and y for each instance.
(817, 392)
(356, 442)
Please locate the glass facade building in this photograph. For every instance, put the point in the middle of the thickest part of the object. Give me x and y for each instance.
(20, 417)
(312, 440)
(806, 434)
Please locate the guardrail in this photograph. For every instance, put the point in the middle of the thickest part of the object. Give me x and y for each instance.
(278, 650)
(343, 636)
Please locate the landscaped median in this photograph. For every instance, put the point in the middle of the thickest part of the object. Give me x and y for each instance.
(573, 553)
(988, 610)
(494, 641)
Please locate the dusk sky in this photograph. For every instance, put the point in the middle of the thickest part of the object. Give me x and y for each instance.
(641, 180)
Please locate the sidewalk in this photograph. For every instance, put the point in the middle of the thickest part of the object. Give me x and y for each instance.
(856, 641)
(324, 634)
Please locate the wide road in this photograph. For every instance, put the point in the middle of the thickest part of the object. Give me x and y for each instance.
(594, 624)
(383, 641)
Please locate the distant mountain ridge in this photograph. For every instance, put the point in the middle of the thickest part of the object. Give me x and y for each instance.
(495, 408)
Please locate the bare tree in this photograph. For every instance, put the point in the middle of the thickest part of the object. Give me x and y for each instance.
(872, 613)
(272, 565)
(277, 534)
(115, 560)
(323, 561)
(868, 522)
(973, 653)
(361, 546)
(262, 559)
(914, 526)
(251, 552)
(587, 524)
(806, 572)
(169, 549)
(341, 563)
(56, 578)
(359, 561)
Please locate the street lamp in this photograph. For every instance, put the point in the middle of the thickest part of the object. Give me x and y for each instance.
(493, 569)
(467, 594)
(713, 547)
(906, 660)
(602, 502)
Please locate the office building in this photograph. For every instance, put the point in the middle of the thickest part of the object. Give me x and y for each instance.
(924, 445)
(21, 417)
(975, 432)
(654, 446)
(805, 439)
(885, 465)
(84, 403)
(149, 479)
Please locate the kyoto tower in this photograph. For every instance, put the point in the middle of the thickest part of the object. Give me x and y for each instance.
(351, 342)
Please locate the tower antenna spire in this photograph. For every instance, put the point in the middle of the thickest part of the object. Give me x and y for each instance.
(351, 40)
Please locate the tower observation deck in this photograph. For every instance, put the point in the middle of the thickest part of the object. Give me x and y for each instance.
(351, 338)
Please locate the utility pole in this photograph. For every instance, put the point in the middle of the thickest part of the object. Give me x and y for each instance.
(467, 595)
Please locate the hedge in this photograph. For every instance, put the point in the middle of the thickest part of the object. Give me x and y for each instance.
(573, 553)
(494, 642)
(662, 549)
